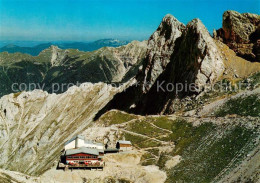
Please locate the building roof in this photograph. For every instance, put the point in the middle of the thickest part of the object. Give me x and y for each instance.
(100, 144)
(85, 141)
(124, 142)
(74, 138)
(82, 150)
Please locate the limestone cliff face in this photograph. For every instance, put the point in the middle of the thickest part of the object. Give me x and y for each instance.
(198, 58)
(241, 33)
(192, 58)
(196, 61)
(35, 125)
(160, 48)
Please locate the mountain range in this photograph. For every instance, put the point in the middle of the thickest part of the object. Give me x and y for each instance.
(82, 46)
(205, 132)
(69, 67)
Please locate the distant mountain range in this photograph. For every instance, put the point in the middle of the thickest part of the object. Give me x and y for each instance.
(55, 65)
(82, 46)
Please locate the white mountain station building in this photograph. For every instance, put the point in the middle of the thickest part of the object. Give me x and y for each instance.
(79, 141)
(80, 152)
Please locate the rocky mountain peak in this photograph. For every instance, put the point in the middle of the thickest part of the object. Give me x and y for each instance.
(176, 55)
(197, 25)
(203, 54)
(169, 27)
(160, 47)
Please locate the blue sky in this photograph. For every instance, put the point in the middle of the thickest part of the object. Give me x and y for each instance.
(86, 20)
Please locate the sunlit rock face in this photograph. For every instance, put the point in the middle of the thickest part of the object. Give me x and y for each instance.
(35, 125)
(182, 54)
(160, 48)
(241, 32)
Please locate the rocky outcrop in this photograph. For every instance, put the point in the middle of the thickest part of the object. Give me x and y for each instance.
(194, 60)
(241, 33)
(203, 56)
(35, 125)
(160, 48)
